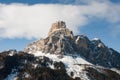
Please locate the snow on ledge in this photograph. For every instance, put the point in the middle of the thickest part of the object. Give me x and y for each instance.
(96, 39)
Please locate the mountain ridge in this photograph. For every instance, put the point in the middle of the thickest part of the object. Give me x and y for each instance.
(62, 41)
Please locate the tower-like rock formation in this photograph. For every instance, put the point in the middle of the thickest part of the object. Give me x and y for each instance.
(59, 28)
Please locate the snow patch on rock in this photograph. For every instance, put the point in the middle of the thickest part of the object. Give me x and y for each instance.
(96, 39)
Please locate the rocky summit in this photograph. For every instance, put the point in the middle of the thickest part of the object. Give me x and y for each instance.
(61, 56)
(60, 40)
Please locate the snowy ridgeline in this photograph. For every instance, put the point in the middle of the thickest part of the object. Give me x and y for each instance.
(71, 62)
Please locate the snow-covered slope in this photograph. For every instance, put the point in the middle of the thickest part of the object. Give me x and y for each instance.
(42, 66)
(72, 63)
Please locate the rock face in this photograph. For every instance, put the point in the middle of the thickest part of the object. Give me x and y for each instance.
(62, 41)
(59, 41)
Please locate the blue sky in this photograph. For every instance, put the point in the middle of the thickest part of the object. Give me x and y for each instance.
(23, 21)
(48, 1)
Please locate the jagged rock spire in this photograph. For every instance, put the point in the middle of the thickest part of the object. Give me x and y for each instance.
(60, 28)
(56, 26)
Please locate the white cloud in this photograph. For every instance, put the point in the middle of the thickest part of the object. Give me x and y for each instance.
(34, 21)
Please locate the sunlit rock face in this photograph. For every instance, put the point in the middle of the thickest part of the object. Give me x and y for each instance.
(60, 28)
(60, 40)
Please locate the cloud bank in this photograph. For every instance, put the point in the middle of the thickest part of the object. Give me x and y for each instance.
(34, 21)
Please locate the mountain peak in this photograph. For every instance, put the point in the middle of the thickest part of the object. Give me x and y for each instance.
(59, 28)
(61, 41)
(61, 56)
